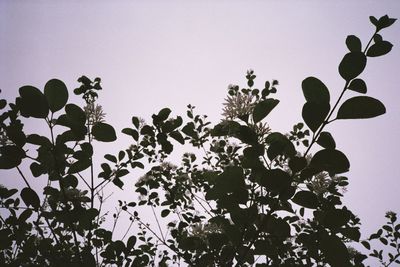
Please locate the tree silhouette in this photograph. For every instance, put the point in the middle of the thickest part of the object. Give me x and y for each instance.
(257, 197)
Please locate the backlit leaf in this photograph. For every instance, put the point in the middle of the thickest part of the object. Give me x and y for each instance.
(30, 197)
(306, 199)
(361, 107)
(330, 160)
(263, 108)
(353, 43)
(358, 85)
(56, 94)
(314, 114)
(379, 49)
(315, 91)
(352, 65)
(104, 132)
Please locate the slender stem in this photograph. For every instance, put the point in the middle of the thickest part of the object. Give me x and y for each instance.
(315, 137)
(23, 177)
(158, 223)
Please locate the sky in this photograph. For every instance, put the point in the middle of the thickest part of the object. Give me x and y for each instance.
(156, 54)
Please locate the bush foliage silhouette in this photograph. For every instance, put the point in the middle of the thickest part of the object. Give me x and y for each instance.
(257, 197)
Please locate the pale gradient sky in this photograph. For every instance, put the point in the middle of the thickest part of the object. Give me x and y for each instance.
(153, 54)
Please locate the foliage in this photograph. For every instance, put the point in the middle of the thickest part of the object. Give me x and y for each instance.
(257, 197)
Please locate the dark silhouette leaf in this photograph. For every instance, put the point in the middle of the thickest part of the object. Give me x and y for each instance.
(32, 102)
(314, 114)
(131, 242)
(177, 136)
(10, 156)
(358, 85)
(335, 251)
(30, 197)
(330, 160)
(131, 132)
(352, 65)
(353, 43)
(3, 103)
(379, 49)
(336, 218)
(275, 180)
(361, 107)
(263, 108)
(326, 140)
(279, 145)
(315, 91)
(56, 94)
(306, 199)
(104, 132)
(164, 213)
(75, 115)
(297, 163)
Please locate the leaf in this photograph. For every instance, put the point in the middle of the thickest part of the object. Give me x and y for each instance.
(30, 197)
(379, 49)
(315, 91)
(32, 102)
(3, 103)
(11, 156)
(366, 244)
(314, 114)
(131, 242)
(111, 158)
(383, 22)
(336, 218)
(75, 114)
(358, 85)
(361, 107)
(104, 132)
(164, 213)
(279, 145)
(353, 43)
(136, 122)
(163, 114)
(351, 233)
(131, 132)
(326, 140)
(297, 163)
(335, 251)
(275, 180)
(306, 199)
(79, 165)
(330, 160)
(178, 137)
(352, 65)
(263, 108)
(56, 94)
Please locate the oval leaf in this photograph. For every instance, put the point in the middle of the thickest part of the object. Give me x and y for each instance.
(361, 107)
(379, 49)
(32, 102)
(56, 94)
(315, 91)
(330, 160)
(335, 251)
(11, 156)
(358, 85)
(326, 140)
(353, 43)
(262, 109)
(104, 132)
(30, 197)
(314, 114)
(306, 199)
(352, 65)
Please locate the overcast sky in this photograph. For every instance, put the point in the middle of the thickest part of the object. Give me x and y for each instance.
(155, 54)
